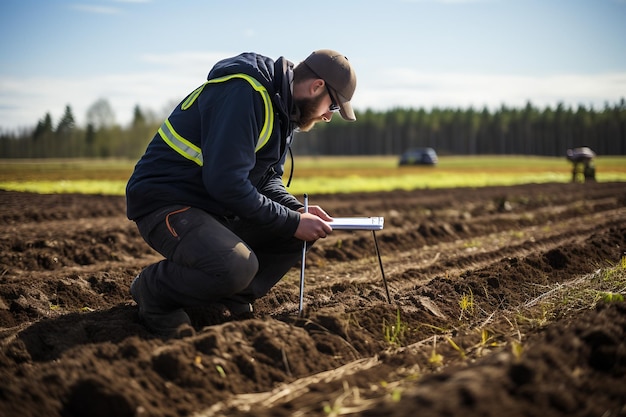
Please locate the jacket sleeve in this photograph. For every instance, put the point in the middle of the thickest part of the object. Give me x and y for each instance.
(232, 115)
(275, 190)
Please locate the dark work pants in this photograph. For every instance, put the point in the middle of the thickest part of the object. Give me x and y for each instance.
(208, 258)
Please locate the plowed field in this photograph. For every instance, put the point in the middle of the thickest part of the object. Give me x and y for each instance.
(497, 309)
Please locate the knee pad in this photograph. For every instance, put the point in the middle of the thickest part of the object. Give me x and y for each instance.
(241, 266)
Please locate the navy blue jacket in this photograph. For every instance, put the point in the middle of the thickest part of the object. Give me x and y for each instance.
(225, 122)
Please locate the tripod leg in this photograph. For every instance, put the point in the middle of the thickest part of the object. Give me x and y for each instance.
(382, 271)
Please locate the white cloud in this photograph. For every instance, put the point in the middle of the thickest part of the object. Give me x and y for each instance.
(150, 91)
(185, 63)
(24, 101)
(408, 88)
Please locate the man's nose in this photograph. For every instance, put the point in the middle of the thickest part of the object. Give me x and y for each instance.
(327, 117)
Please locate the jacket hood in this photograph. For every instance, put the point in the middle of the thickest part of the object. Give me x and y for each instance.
(276, 77)
(255, 65)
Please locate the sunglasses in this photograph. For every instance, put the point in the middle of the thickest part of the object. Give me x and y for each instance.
(334, 107)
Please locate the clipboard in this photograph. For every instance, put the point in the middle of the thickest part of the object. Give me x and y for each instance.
(357, 223)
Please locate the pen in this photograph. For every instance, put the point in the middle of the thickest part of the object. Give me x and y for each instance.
(306, 203)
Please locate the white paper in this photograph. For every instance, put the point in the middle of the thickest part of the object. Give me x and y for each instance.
(357, 223)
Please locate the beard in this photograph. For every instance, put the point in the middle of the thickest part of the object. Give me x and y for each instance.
(306, 112)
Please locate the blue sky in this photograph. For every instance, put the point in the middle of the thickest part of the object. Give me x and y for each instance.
(406, 53)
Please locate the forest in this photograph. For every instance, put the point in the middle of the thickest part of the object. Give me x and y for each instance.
(505, 131)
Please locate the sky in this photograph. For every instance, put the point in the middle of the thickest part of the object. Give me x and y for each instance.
(406, 53)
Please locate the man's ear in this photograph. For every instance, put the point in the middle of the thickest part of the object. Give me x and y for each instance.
(316, 86)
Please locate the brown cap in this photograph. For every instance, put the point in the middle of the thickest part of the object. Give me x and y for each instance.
(335, 70)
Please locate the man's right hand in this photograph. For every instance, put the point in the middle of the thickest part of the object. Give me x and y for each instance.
(312, 227)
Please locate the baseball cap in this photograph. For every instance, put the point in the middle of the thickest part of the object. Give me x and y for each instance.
(336, 71)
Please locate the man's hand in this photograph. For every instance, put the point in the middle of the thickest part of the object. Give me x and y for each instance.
(313, 224)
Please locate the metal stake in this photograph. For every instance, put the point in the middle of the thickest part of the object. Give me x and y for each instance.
(300, 308)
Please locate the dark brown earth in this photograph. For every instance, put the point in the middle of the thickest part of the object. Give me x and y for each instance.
(478, 324)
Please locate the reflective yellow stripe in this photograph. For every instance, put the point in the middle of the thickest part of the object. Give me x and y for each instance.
(194, 153)
(268, 124)
(192, 97)
(180, 144)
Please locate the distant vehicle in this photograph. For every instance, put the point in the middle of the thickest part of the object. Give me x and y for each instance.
(419, 156)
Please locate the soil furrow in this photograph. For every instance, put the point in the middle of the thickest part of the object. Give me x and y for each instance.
(468, 331)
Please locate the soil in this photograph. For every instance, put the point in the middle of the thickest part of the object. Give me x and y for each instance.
(467, 331)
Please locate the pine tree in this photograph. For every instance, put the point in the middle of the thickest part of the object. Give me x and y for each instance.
(44, 127)
(67, 122)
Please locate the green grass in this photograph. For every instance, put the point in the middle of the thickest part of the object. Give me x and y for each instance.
(319, 175)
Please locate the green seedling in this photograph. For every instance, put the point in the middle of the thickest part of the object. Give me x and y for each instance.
(611, 297)
(395, 333)
(393, 389)
(517, 234)
(486, 341)
(220, 371)
(472, 244)
(484, 337)
(609, 274)
(467, 304)
(435, 358)
(396, 395)
(433, 327)
(517, 349)
(457, 348)
(540, 321)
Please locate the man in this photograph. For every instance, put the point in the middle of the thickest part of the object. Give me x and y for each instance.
(583, 168)
(208, 193)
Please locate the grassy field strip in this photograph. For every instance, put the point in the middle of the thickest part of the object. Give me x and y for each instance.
(317, 175)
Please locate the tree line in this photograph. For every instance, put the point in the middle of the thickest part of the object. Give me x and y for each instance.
(504, 131)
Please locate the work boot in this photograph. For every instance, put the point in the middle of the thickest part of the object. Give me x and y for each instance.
(237, 307)
(167, 323)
